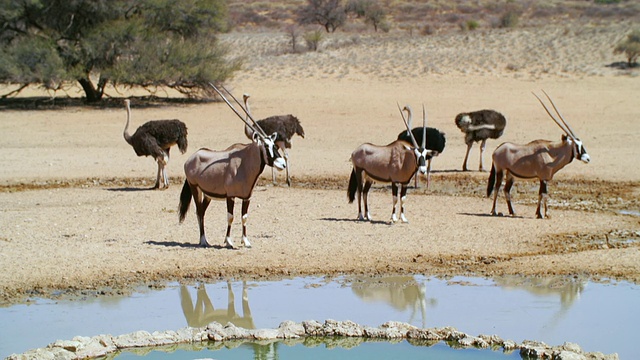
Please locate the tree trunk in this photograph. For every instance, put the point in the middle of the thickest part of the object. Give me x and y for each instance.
(92, 93)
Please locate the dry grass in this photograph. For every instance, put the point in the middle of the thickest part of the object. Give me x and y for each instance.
(447, 15)
(532, 53)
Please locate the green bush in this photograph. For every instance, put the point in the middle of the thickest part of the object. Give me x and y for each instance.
(471, 25)
(510, 19)
(630, 47)
(313, 39)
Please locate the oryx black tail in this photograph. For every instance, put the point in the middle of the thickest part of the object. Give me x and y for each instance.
(185, 200)
(492, 180)
(353, 186)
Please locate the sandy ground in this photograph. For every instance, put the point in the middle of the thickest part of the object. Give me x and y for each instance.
(76, 213)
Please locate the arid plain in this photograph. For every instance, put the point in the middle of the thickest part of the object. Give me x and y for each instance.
(76, 214)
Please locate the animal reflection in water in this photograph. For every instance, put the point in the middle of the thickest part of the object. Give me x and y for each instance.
(202, 312)
(401, 292)
(567, 289)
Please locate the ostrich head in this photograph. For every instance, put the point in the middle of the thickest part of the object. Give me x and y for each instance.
(463, 121)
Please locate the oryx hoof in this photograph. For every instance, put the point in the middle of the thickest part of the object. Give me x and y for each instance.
(228, 243)
(246, 243)
(394, 218)
(204, 242)
(403, 219)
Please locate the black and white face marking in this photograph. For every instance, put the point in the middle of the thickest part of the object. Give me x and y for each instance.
(273, 153)
(581, 152)
(421, 156)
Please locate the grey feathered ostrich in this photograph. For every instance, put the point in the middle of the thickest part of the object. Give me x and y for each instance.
(479, 126)
(285, 126)
(155, 138)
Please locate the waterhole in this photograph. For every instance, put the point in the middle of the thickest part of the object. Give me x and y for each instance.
(596, 315)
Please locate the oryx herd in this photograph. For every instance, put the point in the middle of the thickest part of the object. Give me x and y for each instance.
(233, 172)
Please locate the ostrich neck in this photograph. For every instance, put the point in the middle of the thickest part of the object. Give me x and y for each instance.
(126, 134)
(247, 129)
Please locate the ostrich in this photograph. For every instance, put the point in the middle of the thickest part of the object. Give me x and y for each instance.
(155, 138)
(435, 140)
(480, 126)
(284, 125)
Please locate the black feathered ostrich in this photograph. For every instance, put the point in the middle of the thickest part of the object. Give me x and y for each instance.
(479, 126)
(284, 125)
(435, 140)
(155, 138)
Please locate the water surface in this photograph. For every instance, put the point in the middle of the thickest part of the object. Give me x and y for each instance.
(595, 315)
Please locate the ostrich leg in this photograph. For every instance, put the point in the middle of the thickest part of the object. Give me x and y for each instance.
(483, 145)
(466, 156)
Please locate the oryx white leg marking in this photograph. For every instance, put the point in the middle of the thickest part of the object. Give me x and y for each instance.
(203, 241)
(245, 241)
(203, 238)
(403, 200)
(394, 217)
(227, 240)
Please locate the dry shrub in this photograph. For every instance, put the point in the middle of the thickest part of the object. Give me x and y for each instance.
(313, 39)
(413, 12)
(611, 11)
(427, 29)
(510, 19)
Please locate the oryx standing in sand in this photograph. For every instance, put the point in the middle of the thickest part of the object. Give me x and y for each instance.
(395, 163)
(539, 159)
(228, 174)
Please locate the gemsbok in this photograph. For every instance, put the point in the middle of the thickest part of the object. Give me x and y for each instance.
(539, 159)
(396, 163)
(228, 174)
(435, 141)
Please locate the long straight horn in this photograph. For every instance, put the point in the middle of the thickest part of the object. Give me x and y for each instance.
(246, 111)
(413, 139)
(424, 127)
(234, 109)
(560, 115)
(553, 117)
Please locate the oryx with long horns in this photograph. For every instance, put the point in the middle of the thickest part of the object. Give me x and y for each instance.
(539, 159)
(396, 163)
(228, 174)
(434, 140)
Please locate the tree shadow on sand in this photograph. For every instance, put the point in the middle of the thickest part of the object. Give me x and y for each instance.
(623, 65)
(64, 102)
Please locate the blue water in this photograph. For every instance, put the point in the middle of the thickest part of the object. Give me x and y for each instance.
(368, 350)
(596, 316)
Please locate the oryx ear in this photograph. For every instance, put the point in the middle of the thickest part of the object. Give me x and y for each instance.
(256, 136)
(273, 136)
(565, 137)
(407, 147)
